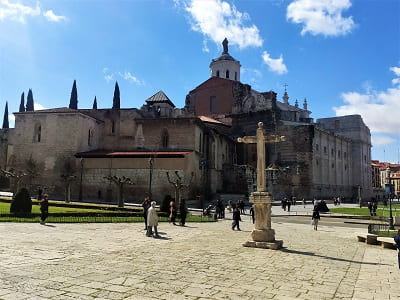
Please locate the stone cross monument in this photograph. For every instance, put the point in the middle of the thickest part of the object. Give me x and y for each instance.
(263, 236)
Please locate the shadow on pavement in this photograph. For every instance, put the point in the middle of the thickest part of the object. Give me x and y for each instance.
(328, 257)
(49, 225)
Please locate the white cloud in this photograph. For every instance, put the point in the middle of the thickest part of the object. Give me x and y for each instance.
(395, 70)
(52, 17)
(128, 76)
(275, 65)
(217, 19)
(378, 108)
(382, 140)
(125, 75)
(321, 16)
(109, 77)
(395, 81)
(38, 106)
(17, 11)
(11, 121)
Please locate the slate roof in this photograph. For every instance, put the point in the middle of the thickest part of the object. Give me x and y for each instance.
(160, 97)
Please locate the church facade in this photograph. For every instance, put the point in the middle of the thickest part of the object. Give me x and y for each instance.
(326, 158)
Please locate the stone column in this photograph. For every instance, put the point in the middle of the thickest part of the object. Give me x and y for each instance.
(263, 236)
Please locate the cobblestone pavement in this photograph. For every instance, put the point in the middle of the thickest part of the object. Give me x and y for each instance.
(200, 261)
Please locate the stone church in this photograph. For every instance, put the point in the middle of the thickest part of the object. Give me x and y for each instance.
(327, 158)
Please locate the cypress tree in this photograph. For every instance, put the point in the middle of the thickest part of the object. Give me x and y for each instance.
(95, 103)
(22, 104)
(5, 120)
(73, 102)
(29, 101)
(116, 99)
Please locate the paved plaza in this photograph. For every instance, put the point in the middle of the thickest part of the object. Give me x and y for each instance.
(200, 261)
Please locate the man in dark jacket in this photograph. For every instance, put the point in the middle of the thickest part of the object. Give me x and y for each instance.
(44, 208)
(236, 218)
(397, 240)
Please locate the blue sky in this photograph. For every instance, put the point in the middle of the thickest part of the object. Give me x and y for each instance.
(342, 55)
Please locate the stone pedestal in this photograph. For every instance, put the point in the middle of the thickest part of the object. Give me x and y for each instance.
(263, 236)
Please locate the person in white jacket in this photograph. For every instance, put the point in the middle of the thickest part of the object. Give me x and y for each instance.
(152, 220)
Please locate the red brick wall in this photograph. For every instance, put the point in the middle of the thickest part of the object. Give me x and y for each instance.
(218, 87)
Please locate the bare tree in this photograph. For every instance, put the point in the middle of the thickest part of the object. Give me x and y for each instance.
(120, 182)
(178, 185)
(68, 170)
(16, 177)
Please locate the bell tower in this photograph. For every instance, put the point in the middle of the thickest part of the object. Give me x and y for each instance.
(225, 66)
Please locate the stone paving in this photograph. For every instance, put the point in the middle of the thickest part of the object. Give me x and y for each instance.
(200, 261)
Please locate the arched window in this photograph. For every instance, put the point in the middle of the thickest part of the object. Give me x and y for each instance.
(227, 74)
(38, 133)
(90, 137)
(218, 73)
(165, 138)
(112, 126)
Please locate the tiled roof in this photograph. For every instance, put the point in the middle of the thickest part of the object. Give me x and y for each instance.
(160, 97)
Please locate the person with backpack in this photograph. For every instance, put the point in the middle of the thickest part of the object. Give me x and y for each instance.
(315, 218)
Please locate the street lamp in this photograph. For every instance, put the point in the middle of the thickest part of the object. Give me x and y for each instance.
(391, 226)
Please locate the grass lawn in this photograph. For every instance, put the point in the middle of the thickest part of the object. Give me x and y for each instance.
(387, 233)
(381, 211)
(5, 208)
(74, 217)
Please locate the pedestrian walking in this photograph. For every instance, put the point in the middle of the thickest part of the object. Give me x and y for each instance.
(146, 205)
(304, 202)
(374, 207)
(44, 209)
(252, 213)
(397, 240)
(289, 203)
(236, 218)
(172, 212)
(315, 218)
(241, 206)
(284, 203)
(152, 220)
(183, 212)
(370, 209)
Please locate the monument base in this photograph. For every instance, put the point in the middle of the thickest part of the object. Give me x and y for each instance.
(263, 235)
(275, 245)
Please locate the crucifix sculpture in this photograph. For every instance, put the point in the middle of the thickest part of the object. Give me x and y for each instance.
(263, 235)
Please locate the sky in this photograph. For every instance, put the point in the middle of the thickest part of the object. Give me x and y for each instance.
(343, 56)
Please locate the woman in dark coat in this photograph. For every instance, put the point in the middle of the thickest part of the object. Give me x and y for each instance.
(183, 211)
(44, 209)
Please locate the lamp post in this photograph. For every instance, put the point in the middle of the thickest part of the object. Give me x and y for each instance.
(151, 162)
(391, 226)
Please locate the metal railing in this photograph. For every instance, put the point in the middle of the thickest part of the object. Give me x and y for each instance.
(376, 228)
